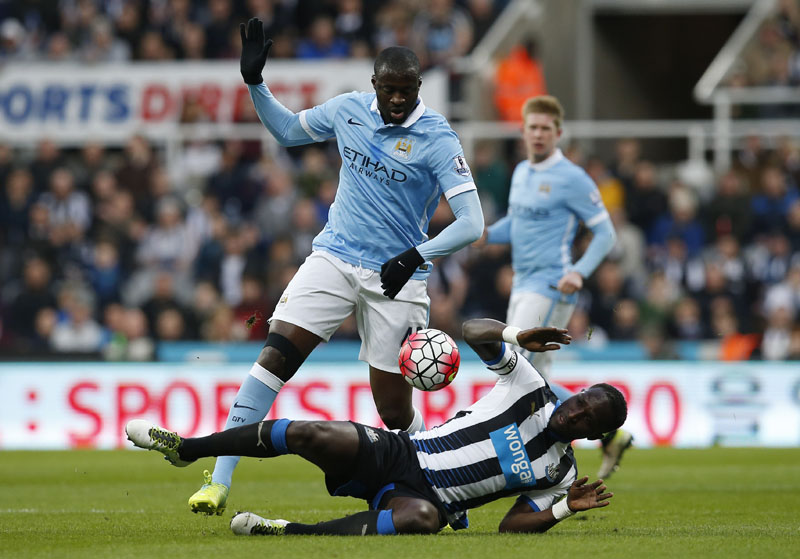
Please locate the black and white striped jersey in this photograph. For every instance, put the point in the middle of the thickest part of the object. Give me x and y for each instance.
(500, 445)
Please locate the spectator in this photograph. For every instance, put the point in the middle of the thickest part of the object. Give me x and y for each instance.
(394, 25)
(611, 189)
(728, 212)
(441, 31)
(584, 333)
(519, 76)
(491, 172)
(644, 200)
(170, 326)
(625, 321)
(680, 222)
(686, 321)
(273, 212)
(192, 42)
(129, 24)
(658, 302)
(32, 295)
(103, 46)
(771, 205)
(626, 161)
(136, 171)
(219, 28)
(775, 345)
(164, 297)
(322, 41)
(254, 309)
(608, 290)
(48, 158)
(104, 272)
(68, 209)
(629, 250)
(78, 332)
(15, 206)
(353, 23)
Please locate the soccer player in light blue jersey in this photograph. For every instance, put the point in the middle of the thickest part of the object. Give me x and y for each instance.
(373, 256)
(549, 197)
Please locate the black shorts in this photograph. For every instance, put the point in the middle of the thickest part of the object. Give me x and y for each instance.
(386, 467)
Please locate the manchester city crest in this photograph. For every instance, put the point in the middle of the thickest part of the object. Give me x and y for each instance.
(402, 148)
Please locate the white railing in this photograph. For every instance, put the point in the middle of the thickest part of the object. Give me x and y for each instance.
(701, 135)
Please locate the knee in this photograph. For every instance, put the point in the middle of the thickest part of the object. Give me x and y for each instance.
(304, 436)
(421, 517)
(280, 356)
(273, 360)
(396, 416)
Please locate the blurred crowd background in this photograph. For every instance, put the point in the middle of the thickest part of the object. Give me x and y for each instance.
(107, 251)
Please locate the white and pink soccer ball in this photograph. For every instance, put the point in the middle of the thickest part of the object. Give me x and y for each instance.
(429, 359)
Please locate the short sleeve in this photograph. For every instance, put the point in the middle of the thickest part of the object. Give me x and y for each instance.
(449, 165)
(587, 203)
(318, 121)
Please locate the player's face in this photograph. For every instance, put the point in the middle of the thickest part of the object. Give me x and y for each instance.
(583, 416)
(397, 95)
(540, 135)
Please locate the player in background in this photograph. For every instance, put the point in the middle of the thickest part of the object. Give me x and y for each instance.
(548, 198)
(515, 441)
(372, 258)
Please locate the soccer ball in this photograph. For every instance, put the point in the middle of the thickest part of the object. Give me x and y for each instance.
(429, 359)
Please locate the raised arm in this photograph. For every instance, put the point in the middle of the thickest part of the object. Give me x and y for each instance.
(581, 496)
(485, 336)
(283, 124)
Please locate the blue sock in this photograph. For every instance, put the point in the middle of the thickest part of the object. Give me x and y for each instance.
(560, 392)
(251, 404)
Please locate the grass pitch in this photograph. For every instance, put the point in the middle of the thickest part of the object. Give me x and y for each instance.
(668, 503)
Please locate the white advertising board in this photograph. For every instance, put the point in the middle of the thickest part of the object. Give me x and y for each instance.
(682, 404)
(73, 103)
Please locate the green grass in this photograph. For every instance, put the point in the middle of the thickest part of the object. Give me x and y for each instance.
(668, 503)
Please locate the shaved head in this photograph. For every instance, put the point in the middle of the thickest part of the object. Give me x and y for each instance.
(398, 61)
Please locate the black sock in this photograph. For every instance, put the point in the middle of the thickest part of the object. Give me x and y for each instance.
(248, 440)
(365, 523)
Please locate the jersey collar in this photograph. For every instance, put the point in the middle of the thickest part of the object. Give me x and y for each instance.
(556, 157)
(412, 118)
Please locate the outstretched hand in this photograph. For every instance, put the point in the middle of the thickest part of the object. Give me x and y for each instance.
(583, 496)
(255, 48)
(543, 339)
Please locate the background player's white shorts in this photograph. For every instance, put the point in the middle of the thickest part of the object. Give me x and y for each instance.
(325, 290)
(529, 310)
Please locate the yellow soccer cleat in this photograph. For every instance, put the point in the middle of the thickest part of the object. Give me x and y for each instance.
(209, 499)
(612, 452)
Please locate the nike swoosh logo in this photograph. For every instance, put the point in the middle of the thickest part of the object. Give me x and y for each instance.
(401, 264)
(236, 405)
(353, 122)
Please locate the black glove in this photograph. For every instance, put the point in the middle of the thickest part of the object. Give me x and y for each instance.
(255, 49)
(396, 271)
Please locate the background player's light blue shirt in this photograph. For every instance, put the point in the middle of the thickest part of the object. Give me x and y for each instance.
(391, 177)
(547, 202)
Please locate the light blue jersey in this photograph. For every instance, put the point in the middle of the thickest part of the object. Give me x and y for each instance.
(391, 177)
(547, 202)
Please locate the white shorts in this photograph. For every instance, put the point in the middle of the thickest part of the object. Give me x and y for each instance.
(326, 290)
(529, 310)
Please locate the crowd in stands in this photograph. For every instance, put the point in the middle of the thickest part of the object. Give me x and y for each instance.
(772, 58)
(93, 31)
(101, 251)
(108, 251)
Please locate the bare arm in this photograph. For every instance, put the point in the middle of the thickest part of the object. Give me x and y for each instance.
(581, 497)
(485, 335)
